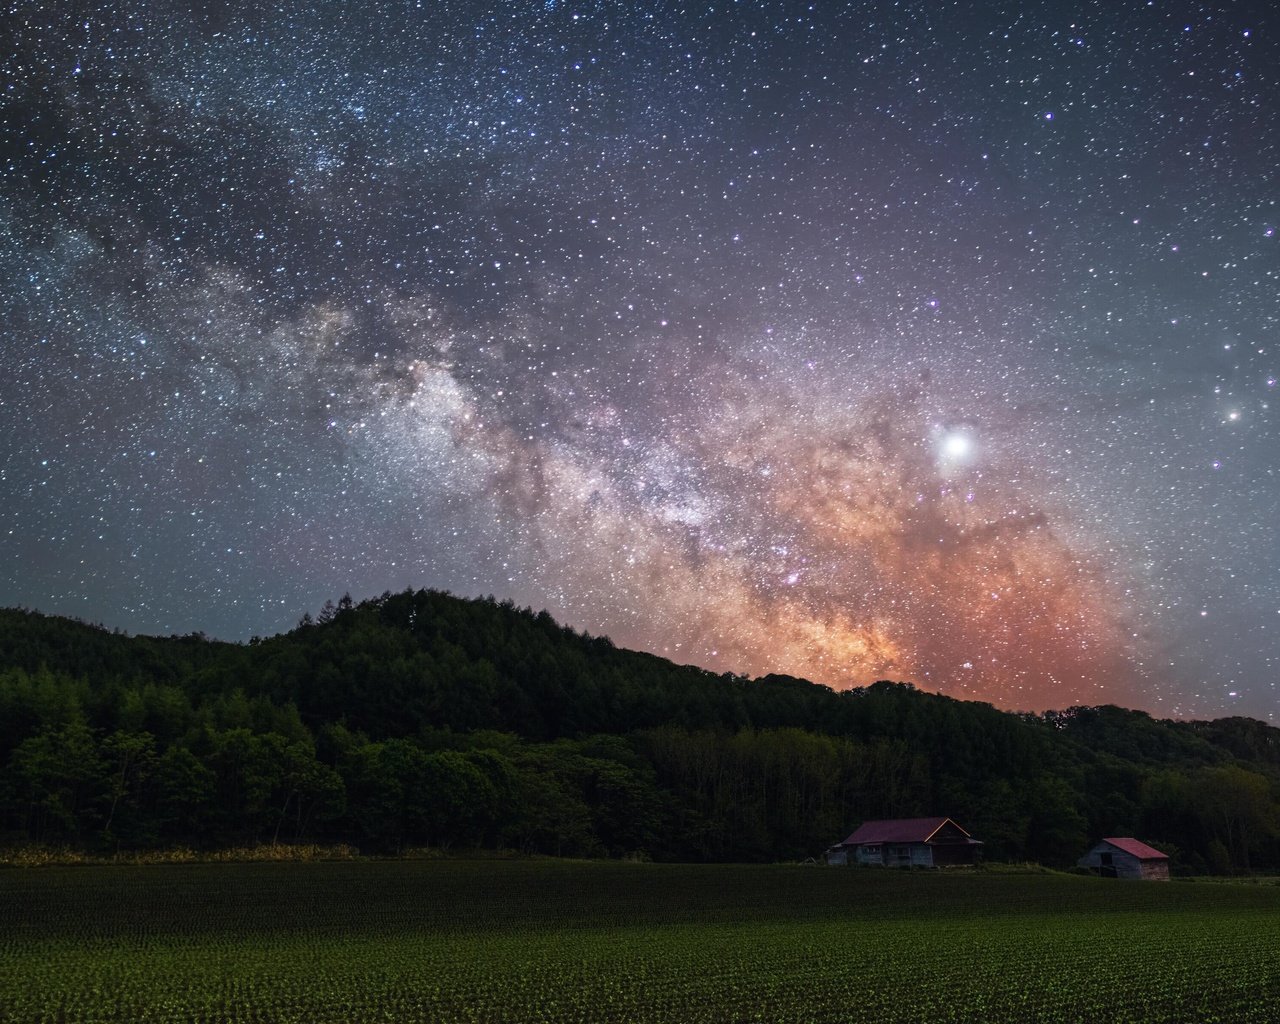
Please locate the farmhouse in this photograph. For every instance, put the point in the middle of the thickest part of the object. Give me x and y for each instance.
(1126, 858)
(907, 842)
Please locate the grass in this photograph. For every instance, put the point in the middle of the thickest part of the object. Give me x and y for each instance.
(554, 941)
(29, 856)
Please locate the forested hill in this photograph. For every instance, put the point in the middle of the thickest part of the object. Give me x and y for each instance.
(425, 719)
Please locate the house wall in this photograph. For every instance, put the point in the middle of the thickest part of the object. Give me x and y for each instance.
(838, 857)
(1126, 866)
(870, 854)
(1093, 859)
(947, 854)
(921, 856)
(896, 855)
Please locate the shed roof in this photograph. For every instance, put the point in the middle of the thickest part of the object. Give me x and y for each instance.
(898, 830)
(1136, 849)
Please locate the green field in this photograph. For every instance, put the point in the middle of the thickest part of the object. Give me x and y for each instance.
(555, 941)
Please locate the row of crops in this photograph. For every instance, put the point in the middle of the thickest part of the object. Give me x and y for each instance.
(555, 942)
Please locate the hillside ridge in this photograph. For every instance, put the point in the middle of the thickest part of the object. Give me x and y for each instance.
(529, 734)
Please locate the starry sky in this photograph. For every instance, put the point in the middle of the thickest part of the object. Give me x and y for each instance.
(920, 340)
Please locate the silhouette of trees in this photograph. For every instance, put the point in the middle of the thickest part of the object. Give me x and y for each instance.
(423, 719)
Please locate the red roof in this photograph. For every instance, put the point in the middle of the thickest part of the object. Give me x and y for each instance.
(1136, 849)
(898, 830)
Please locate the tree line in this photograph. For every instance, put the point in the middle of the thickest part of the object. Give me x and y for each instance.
(423, 719)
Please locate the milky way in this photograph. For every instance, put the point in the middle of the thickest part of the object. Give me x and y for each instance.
(921, 341)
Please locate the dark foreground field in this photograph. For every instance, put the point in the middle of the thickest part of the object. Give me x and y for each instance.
(561, 941)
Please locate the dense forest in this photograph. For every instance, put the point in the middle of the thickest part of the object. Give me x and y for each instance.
(422, 719)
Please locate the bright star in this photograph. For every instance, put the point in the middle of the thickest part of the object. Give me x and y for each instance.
(956, 446)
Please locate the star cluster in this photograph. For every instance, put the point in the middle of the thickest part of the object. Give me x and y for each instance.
(927, 341)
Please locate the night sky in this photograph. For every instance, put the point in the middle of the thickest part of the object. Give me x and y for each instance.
(922, 341)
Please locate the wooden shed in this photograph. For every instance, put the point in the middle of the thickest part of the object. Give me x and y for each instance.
(907, 842)
(1126, 857)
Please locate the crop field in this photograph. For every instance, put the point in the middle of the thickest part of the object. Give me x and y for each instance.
(587, 942)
